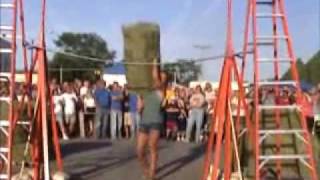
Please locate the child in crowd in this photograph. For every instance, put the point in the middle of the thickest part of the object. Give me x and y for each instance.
(89, 110)
(127, 118)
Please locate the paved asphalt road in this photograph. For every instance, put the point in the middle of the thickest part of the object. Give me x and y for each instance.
(116, 160)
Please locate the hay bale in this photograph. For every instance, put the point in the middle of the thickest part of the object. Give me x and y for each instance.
(141, 45)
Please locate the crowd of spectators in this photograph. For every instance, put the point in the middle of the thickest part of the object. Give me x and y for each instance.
(114, 111)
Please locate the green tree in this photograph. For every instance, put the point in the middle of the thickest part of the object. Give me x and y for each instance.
(184, 71)
(312, 69)
(301, 70)
(308, 72)
(83, 44)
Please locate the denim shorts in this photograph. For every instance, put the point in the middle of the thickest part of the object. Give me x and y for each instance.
(147, 127)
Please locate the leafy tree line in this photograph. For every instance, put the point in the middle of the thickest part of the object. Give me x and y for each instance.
(84, 44)
(309, 72)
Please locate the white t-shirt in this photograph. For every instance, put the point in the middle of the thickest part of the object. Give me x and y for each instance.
(83, 91)
(57, 99)
(69, 103)
(89, 102)
(210, 96)
(197, 100)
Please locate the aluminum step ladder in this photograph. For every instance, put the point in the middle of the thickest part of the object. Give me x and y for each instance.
(273, 10)
(8, 10)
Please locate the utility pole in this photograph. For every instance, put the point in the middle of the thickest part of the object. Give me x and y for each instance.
(61, 73)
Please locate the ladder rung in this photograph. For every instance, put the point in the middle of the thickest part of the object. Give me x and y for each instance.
(268, 15)
(3, 176)
(281, 131)
(5, 123)
(5, 50)
(297, 132)
(264, 2)
(5, 99)
(6, 28)
(262, 43)
(271, 37)
(285, 157)
(4, 150)
(275, 83)
(23, 123)
(272, 107)
(8, 36)
(272, 60)
(6, 5)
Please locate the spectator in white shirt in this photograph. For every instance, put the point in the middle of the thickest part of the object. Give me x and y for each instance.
(57, 101)
(89, 110)
(84, 89)
(70, 99)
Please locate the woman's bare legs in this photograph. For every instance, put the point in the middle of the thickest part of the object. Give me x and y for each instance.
(153, 145)
(63, 130)
(142, 141)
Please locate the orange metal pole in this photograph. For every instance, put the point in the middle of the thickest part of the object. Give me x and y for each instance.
(256, 91)
(243, 102)
(227, 129)
(246, 38)
(309, 149)
(12, 89)
(214, 120)
(221, 118)
(23, 38)
(55, 137)
(277, 90)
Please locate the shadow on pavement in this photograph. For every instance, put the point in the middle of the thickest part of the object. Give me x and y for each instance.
(78, 146)
(98, 169)
(175, 165)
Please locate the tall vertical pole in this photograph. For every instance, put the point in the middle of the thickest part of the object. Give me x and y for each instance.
(44, 93)
(12, 89)
(256, 90)
(277, 90)
(61, 74)
(295, 76)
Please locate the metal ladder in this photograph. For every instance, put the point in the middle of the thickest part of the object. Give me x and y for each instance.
(8, 10)
(278, 19)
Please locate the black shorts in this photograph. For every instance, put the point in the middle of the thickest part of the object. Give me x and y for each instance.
(90, 113)
(147, 127)
(182, 124)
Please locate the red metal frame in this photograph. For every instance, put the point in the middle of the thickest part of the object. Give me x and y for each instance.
(222, 114)
(295, 76)
(220, 111)
(40, 156)
(277, 7)
(12, 89)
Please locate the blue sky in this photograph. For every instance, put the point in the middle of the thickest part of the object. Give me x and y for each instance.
(183, 24)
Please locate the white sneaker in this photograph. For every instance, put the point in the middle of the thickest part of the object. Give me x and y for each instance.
(65, 137)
